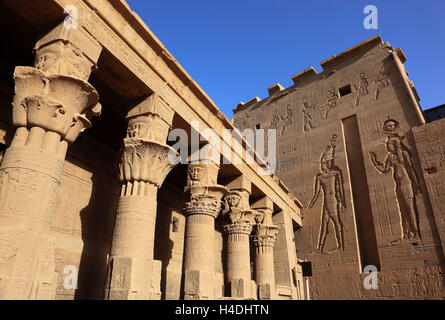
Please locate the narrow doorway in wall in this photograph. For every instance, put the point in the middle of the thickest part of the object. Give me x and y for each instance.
(366, 236)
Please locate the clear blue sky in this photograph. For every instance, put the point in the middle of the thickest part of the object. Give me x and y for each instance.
(236, 49)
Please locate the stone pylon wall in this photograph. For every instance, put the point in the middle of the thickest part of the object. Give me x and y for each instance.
(341, 135)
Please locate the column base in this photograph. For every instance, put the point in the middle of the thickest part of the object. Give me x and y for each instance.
(243, 288)
(27, 266)
(266, 292)
(134, 279)
(198, 285)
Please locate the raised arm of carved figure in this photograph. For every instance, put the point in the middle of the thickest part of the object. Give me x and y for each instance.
(316, 191)
(380, 167)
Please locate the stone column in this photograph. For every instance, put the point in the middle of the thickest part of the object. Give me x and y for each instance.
(145, 161)
(204, 205)
(264, 236)
(239, 219)
(52, 105)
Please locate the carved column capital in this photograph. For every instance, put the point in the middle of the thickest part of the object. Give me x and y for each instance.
(55, 103)
(203, 204)
(54, 95)
(145, 158)
(237, 213)
(200, 176)
(239, 227)
(145, 161)
(264, 235)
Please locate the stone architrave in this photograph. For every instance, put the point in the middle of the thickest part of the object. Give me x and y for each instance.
(203, 207)
(239, 219)
(145, 161)
(52, 105)
(263, 238)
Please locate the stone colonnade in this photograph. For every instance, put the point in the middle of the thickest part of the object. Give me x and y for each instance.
(53, 104)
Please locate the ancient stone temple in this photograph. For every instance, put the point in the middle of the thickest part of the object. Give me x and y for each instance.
(120, 179)
(353, 146)
(97, 200)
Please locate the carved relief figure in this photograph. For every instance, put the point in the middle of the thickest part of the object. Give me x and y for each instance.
(330, 182)
(287, 119)
(362, 88)
(274, 121)
(194, 175)
(306, 109)
(382, 81)
(406, 185)
(332, 101)
(232, 207)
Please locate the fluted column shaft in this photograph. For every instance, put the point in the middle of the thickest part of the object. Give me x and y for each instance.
(52, 105)
(145, 162)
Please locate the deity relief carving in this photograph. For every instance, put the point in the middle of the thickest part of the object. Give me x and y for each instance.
(148, 127)
(362, 88)
(330, 182)
(287, 119)
(331, 102)
(264, 231)
(234, 208)
(274, 122)
(406, 185)
(306, 109)
(63, 58)
(200, 176)
(382, 81)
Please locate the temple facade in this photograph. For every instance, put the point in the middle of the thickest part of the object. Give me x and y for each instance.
(354, 148)
(97, 201)
(120, 179)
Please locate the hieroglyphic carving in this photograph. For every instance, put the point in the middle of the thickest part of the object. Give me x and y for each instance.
(330, 181)
(331, 102)
(381, 82)
(406, 185)
(16, 184)
(362, 88)
(306, 109)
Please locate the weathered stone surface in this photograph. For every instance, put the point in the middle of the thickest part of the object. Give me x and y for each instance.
(352, 146)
